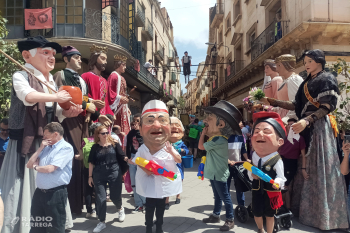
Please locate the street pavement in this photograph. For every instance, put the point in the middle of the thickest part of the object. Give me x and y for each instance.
(196, 203)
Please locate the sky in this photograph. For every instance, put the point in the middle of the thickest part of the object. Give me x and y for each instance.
(190, 19)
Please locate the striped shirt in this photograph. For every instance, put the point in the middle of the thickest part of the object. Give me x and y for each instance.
(236, 148)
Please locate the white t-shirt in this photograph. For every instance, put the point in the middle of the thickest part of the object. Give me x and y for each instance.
(157, 186)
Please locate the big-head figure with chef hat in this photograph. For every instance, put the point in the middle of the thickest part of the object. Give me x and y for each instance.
(156, 131)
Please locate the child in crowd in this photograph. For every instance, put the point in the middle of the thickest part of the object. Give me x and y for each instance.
(133, 142)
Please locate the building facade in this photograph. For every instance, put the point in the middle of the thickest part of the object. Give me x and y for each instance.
(245, 32)
(127, 27)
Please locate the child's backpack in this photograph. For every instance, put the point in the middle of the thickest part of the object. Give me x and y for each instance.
(86, 151)
(193, 133)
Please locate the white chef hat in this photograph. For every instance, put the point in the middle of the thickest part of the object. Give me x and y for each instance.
(154, 106)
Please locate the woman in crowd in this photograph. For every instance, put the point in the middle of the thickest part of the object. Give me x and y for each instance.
(344, 167)
(323, 195)
(106, 165)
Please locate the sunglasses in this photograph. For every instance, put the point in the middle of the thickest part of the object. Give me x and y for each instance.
(104, 133)
(4, 130)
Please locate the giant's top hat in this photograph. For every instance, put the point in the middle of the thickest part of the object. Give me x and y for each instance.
(229, 113)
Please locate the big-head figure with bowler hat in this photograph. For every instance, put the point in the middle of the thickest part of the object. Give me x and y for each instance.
(222, 120)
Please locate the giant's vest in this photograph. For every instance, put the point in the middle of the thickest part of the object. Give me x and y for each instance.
(268, 168)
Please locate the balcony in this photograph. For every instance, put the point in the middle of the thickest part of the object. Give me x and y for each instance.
(95, 24)
(172, 103)
(216, 15)
(233, 69)
(147, 30)
(145, 77)
(172, 79)
(160, 52)
(140, 18)
(268, 37)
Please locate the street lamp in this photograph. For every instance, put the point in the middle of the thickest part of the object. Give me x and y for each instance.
(209, 43)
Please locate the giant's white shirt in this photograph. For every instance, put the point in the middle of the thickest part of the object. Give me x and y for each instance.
(279, 168)
(155, 186)
(22, 89)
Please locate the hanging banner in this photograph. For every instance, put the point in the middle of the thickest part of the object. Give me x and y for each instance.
(38, 18)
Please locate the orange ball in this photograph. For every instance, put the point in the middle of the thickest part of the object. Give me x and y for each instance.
(75, 93)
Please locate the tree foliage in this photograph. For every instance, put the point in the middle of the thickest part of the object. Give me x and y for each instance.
(343, 112)
(7, 68)
(181, 103)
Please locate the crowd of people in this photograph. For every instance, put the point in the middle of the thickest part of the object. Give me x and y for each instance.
(57, 156)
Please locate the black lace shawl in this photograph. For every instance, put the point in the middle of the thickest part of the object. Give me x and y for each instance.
(323, 88)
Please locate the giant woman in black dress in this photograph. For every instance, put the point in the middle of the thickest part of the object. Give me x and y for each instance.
(322, 199)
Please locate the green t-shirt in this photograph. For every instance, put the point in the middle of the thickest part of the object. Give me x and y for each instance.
(199, 128)
(216, 165)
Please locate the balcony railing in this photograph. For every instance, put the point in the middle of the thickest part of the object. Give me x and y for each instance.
(233, 69)
(103, 26)
(140, 18)
(95, 24)
(172, 79)
(274, 32)
(147, 30)
(217, 10)
(145, 77)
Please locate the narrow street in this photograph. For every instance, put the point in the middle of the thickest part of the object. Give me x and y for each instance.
(196, 203)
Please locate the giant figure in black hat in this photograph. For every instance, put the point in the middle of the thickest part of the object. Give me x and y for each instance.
(324, 191)
(222, 120)
(32, 107)
(186, 63)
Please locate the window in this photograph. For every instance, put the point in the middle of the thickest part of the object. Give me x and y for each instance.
(250, 37)
(124, 18)
(70, 18)
(220, 39)
(228, 23)
(12, 10)
(106, 3)
(237, 9)
(70, 11)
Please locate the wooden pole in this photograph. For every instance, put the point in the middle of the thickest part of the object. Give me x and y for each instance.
(27, 70)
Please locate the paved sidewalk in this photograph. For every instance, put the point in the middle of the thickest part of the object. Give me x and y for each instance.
(196, 203)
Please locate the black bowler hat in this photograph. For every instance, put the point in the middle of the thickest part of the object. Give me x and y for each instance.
(37, 42)
(229, 113)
